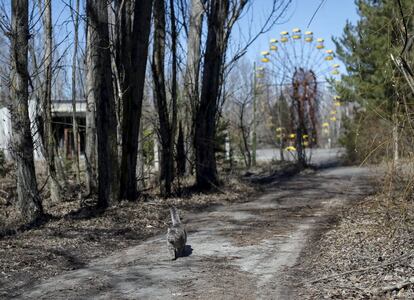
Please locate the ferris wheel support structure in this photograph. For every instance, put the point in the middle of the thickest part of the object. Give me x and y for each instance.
(299, 62)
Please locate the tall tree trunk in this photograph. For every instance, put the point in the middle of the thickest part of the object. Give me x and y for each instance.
(134, 63)
(40, 125)
(49, 139)
(245, 135)
(141, 159)
(254, 133)
(75, 130)
(165, 127)
(90, 134)
(101, 83)
(180, 157)
(282, 131)
(205, 123)
(28, 199)
(192, 74)
(174, 84)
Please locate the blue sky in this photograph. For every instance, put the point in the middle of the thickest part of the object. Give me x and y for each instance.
(329, 21)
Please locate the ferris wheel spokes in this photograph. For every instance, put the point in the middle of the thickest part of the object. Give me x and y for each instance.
(297, 62)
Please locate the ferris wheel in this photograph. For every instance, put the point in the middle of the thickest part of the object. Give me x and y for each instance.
(300, 66)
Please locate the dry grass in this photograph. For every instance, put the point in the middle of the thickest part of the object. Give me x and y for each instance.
(73, 237)
(370, 252)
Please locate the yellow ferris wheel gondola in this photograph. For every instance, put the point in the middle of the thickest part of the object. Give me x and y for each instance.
(329, 57)
(264, 53)
(296, 34)
(284, 36)
(320, 43)
(309, 36)
(265, 60)
(273, 47)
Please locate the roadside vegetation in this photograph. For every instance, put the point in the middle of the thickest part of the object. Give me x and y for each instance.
(368, 253)
(166, 110)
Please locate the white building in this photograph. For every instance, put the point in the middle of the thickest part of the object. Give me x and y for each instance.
(62, 127)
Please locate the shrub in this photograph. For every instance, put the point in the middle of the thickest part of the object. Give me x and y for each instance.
(366, 139)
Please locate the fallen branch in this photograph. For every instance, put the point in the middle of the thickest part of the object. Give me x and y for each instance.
(362, 269)
(396, 287)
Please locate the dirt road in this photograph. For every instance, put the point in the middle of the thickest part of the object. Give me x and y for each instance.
(240, 251)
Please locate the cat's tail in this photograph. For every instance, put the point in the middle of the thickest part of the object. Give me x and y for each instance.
(175, 218)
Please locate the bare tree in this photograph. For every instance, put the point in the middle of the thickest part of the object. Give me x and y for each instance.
(167, 120)
(132, 40)
(46, 100)
(239, 92)
(192, 72)
(28, 201)
(90, 134)
(100, 81)
(221, 17)
(206, 112)
(75, 17)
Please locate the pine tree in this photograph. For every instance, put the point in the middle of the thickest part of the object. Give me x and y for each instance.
(365, 48)
(372, 79)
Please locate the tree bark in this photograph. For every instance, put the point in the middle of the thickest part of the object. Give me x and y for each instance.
(48, 136)
(245, 135)
(180, 157)
(192, 75)
(134, 62)
(101, 83)
(166, 129)
(28, 199)
(75, 130)
(90, 133)
(205, 122)
(141, 160)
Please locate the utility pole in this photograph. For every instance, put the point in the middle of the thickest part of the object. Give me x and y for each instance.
(254, 142)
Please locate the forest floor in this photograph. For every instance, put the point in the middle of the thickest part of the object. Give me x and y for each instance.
(308, 236)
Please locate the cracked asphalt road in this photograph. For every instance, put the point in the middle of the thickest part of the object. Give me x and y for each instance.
(238, 251)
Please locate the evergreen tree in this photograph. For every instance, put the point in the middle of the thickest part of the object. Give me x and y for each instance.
(366, 48)
(372, 79)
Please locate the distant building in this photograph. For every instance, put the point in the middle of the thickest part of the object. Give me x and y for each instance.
(61, 123)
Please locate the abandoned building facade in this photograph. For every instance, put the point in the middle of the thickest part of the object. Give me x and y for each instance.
(62, 128)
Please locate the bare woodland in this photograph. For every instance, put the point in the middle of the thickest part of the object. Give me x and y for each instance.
(186, 89)
(122, 109)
